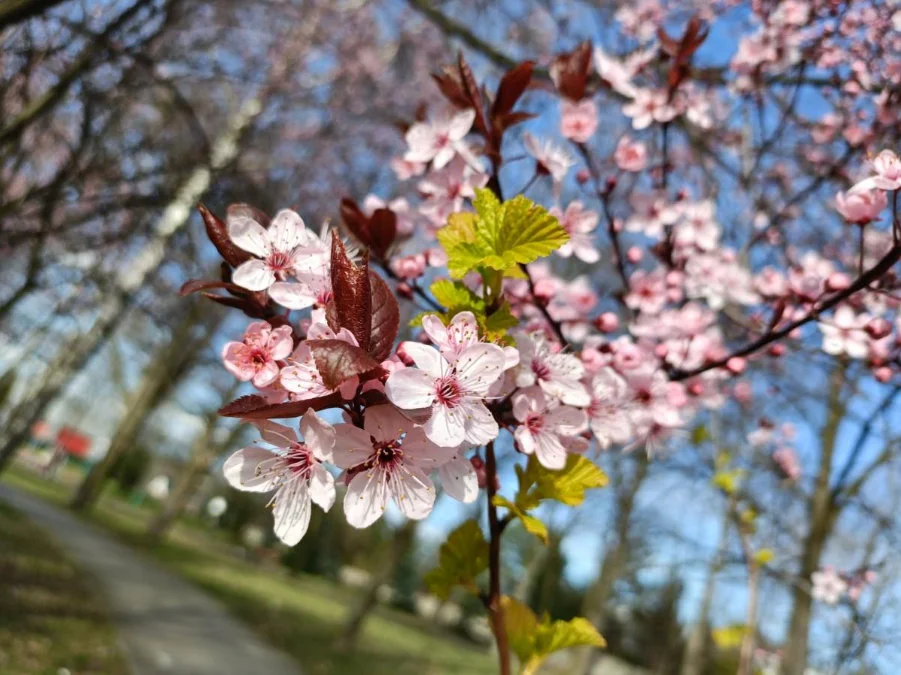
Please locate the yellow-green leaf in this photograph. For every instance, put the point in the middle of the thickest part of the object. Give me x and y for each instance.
(528, 232)
(460, 560)
(764, 556)
(456, 296)
(521, 624)
(530, 524)
(567, 486)
(729, 637)
(727, 481)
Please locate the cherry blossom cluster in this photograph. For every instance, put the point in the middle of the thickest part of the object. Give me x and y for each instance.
(830, 586)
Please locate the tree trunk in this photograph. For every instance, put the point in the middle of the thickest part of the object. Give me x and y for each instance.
(821, 515)
(403, 540)
(132, 278)
(594, 607)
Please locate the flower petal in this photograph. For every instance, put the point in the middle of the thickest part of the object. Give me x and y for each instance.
(426, 358)
(481, 427)
(318, 434)
(366, 498)
(254, 275)
(413, 492)
(249, 235)
(292, 512)
(410, 388)
(291, 295)
(286, 231)
(322, 487)
(246, 469)
(352, 446)
(479, 366)
(459, 480)
(447, 426)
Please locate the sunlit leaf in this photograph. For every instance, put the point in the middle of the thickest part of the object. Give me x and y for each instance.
(460, 560)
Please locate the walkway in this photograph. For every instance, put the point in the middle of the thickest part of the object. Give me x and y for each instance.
(166, 626)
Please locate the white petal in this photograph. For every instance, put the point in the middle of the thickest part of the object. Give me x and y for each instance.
(249, 235)
(246, 470)
(550, 451)
(426, 358)
(460, 124)
(318, 434)
(410, 388)
(567, 421)
(571, 392)
(322, 487)
(459, 480)
(366, 498)
(447, 426)
(481, 427)
(413, 491)
(292, 512)
(286, 231)
(385, 423)
(291, 295)
(276, 434)
(352, 446)
(254, 275)
(479, 366)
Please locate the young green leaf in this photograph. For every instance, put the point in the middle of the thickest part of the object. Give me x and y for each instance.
(567, 486)
(530, 524)
(460, 560)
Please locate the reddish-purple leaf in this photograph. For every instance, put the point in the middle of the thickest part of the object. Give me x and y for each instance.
(569, 71)
(255, 407)
(249, 307)
(511, 88)
(504, 122)
(355, 220)
(217, 232)
(385, 318)
(382, 231)
(350, 290)
(449, 84)
(338, 361)
(195, 285)
(474, 96)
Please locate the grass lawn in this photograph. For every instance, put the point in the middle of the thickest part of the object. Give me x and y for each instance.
(300, 614)
(50, 618)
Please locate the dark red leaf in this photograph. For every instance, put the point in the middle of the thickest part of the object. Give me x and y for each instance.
(338, 361)
(449, 84)
(385, 318)
(569, 71)
(249, 307)
(504, 122)
(351, 292)
(474, 96)
(355, 220)
(255, 407)
(382, 231)
(205, 284)
(217, 232)
(511, 88)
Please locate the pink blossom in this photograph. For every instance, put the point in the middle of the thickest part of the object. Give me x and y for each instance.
(389, 458)
(256, 357)
(614, 72)
(786, 460)
(545, 429)
(578, 120)
(845, 334)
(438, 140)
(579, 223)
(558, 374)
(409, 267)
(649, 106)
(452, 340)
(281, 251)
(445, 191)
(552, 159)
(608, 411)
(862, 206)
(888, 174)
(301, 376)
(400, 207)
(451, 394)
(697, 226)
(293, 469)
(828, 585)
(630, 155)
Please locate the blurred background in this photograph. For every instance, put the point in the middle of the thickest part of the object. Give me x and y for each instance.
(118, 117)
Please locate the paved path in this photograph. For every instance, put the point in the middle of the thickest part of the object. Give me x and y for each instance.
(166, 626)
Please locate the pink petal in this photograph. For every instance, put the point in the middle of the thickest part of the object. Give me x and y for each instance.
(266, 375)
(410, 388)
(459, 480)
(254, 275)
(428, 359)
(318, 434)
(322, 487)
(481, 427)
(286, 231)
(447, 426)
(292, 512)
(385, 423)
(241, 470)
(479, 366)
(366, 498)
(352, 446)
(413, 491)
(236, 358)
(291, 295)
(249, 235)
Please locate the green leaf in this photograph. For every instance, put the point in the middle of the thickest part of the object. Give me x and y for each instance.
(533, 641)
(460, 560)
(727, 481)
(567, 486)
(456, 296)
(699, 434)
(530, 524)
(499, 236)
(500, 320)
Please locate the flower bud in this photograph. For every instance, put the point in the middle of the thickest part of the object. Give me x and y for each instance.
(404, 290)
(736, 365)
(634, 254)
(838, 281)
(776, 350)
(583, 176)
(479, 465)
(607, 322)
(877, 328)
(883, 374)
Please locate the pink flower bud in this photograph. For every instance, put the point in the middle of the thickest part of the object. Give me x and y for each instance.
(611, 183)
(838, 281)
(743, 392)
(696, 388)
(479, 465)
(583, 176)
(634, 254)
(661, 351)
(607, 322)
(404, 290)
(883, 374)
(736, 365)
(776, 350)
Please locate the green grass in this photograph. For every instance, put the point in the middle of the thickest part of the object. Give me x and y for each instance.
(49, 616)
(302, 615)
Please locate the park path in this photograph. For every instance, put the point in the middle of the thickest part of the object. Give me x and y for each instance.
(166, 626)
